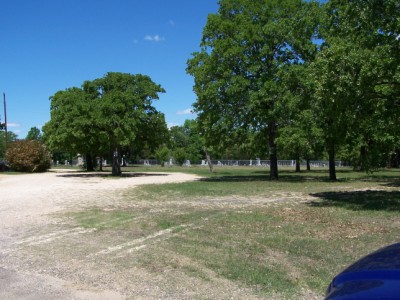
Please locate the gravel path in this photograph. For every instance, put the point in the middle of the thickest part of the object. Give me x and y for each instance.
(29, 202)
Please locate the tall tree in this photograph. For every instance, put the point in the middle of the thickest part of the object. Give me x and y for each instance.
(356, 75)
(124, 102)
(106, 114)
(245, 51)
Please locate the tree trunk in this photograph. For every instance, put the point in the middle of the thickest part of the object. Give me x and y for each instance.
(89, 163)
(308, 165)
(363, 158)
(332, 167)
(297, 165)
(273, 157)
(101, 164)
(116, 168)
(210, 164)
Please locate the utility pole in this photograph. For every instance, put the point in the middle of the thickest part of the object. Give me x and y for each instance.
(5, 120)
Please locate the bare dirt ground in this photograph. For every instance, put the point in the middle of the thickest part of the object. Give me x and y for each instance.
(44, 257)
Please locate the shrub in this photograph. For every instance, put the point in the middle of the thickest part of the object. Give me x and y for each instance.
(180, 156)
(162, 155)
(28, 156)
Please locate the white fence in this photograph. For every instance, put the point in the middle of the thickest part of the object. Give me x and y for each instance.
(242, 162)
(218, 163)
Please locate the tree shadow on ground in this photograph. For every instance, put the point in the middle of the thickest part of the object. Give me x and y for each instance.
(359, 200)
(109, 175)
(344, 175)
(241, 178)
(265, 177)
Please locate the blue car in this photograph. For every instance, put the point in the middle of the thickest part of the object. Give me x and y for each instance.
(375, 276)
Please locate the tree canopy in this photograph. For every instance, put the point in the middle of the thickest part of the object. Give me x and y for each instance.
(292, 73)
(105, 115)
(246, 50)
(356, 77)
(34, 134)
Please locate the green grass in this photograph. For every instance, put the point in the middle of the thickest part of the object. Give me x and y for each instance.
(102, 219)
(300, 241)
(255, 182)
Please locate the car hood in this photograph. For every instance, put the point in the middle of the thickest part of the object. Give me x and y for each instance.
(376, 275)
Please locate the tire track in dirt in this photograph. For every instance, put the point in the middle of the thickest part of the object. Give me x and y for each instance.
(28, 205)
(50, 237)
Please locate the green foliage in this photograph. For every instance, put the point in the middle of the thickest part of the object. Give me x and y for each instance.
(106, 115)
(70, 128)
(28, 156)
(180, 156)
(162, 155)
(356, 78)
(187, 137)
(11, 137)
(247, 48)
(34, 134)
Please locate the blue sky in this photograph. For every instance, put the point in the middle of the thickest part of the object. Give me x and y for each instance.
(51, 45)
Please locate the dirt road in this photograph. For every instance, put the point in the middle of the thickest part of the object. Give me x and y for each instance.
(28, 208)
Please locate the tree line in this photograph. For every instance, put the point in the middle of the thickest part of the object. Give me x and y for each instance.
(278, 78)
(288, 74)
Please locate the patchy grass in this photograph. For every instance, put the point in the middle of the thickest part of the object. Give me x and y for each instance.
(275, 237)
(100, 219)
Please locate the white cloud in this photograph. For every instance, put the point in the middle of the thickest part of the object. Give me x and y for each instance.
(169, 125)
(154, 38)
(13, 125)
(171, 23)
(184, 112)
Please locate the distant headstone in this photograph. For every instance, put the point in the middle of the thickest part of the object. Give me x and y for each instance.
(80, 160)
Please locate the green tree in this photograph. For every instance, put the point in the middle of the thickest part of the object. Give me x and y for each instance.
(356, 77)
(11, 137)
(153, 132)
(162, 155)
(34, 134)
(123, 101)
(178, 137)
(246, 49)
(187, 137)
(180, 156)
(105, 115)
(71, 127)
